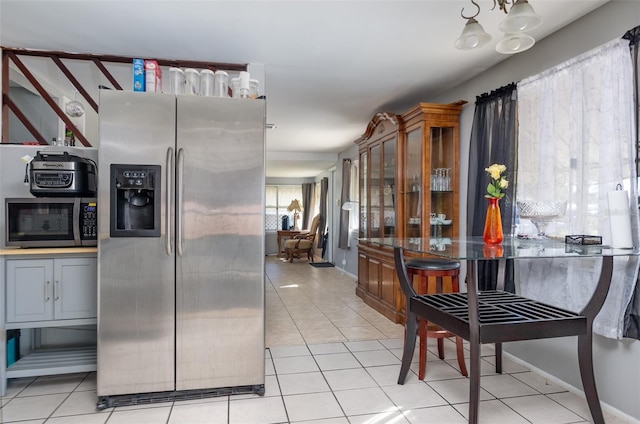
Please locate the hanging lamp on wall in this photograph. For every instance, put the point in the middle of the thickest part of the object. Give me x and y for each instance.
(520, 19)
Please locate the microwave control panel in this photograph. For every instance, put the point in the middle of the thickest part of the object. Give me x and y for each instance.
(89, 221)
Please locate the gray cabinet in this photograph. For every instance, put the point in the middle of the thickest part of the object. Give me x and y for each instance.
(51, 290)
(43, 289)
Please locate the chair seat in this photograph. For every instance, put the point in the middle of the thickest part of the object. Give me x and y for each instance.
(503, 316)
(433, 264)
(298, 244)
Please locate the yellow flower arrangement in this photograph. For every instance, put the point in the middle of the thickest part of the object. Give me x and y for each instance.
(498, 182)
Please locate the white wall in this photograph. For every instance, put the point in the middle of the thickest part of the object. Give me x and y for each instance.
(616, 362)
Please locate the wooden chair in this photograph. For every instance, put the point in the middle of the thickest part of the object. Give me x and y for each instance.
(435, 275)
(302, 243)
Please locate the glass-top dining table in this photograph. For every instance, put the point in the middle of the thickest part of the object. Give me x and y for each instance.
(496, 316)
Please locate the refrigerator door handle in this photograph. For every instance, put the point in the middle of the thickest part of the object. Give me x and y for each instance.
(179, 190)
(169, 167)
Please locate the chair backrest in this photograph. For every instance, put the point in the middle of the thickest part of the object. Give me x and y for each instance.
(405, 284)
(315, 223)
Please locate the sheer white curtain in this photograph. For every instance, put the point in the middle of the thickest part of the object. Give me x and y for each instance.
(575, 144)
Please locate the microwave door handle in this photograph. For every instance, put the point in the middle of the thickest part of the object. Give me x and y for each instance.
(179, 190)
(169, 168)
(76, 219)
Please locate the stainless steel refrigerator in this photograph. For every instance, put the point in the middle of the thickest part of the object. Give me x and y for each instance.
(181, 188)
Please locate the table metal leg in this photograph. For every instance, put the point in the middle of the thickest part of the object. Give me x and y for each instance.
(474, 342)
(502, 266)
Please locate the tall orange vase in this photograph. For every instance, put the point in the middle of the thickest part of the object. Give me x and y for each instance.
(493, 224)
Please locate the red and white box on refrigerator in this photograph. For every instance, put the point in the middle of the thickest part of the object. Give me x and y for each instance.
(153, 76)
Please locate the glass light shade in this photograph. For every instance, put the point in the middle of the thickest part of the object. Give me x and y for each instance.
(521, 18)
(74, 108)
(515, 43)
(473, 35)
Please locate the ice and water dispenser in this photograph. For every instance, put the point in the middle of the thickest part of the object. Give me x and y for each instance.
(135, 200)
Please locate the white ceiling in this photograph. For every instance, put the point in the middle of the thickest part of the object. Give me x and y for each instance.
(330, 65)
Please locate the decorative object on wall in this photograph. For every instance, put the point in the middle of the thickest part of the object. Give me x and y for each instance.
(74, 107)
(520, 19)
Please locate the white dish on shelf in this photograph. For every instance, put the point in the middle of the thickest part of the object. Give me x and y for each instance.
(441, 221)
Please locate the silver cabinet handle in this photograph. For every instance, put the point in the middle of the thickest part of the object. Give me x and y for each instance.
(46, 291)
(56, 290)
(169, 166)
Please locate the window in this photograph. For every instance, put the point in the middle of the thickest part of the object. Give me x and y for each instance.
(277, 199)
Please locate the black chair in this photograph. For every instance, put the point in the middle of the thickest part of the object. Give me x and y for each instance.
(498, 316)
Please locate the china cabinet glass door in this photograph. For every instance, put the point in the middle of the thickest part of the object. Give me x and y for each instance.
(442, 181)
(389, 187)
(374, 190)
(364, 193)
(413, 182)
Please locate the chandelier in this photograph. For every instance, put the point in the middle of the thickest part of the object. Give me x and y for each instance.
(520, 19)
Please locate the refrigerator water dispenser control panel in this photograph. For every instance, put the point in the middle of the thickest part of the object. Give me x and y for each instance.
(135, 200)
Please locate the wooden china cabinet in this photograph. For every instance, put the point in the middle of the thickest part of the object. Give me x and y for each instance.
(408, 188)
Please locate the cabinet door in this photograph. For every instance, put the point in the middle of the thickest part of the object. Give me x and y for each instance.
(376, 222)
(29, 290)
(364, 195)
(374, 277)
(387, 290)
(389, 188)
(363, 272)
(443, 183)
(413, 182)
(75, 288)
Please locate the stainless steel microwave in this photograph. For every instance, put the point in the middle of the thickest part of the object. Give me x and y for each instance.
(51, 222)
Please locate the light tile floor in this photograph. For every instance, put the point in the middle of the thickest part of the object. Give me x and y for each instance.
(331, 360)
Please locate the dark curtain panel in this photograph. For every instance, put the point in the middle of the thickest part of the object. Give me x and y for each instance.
(307, 197)
(632, 315)
(343, 235)
(493, 140)
(324, 188)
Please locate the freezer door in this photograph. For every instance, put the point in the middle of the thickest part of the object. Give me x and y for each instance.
(136, 298)
(220, 262)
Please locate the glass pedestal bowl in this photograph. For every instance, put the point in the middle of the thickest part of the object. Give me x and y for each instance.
(541, 212)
